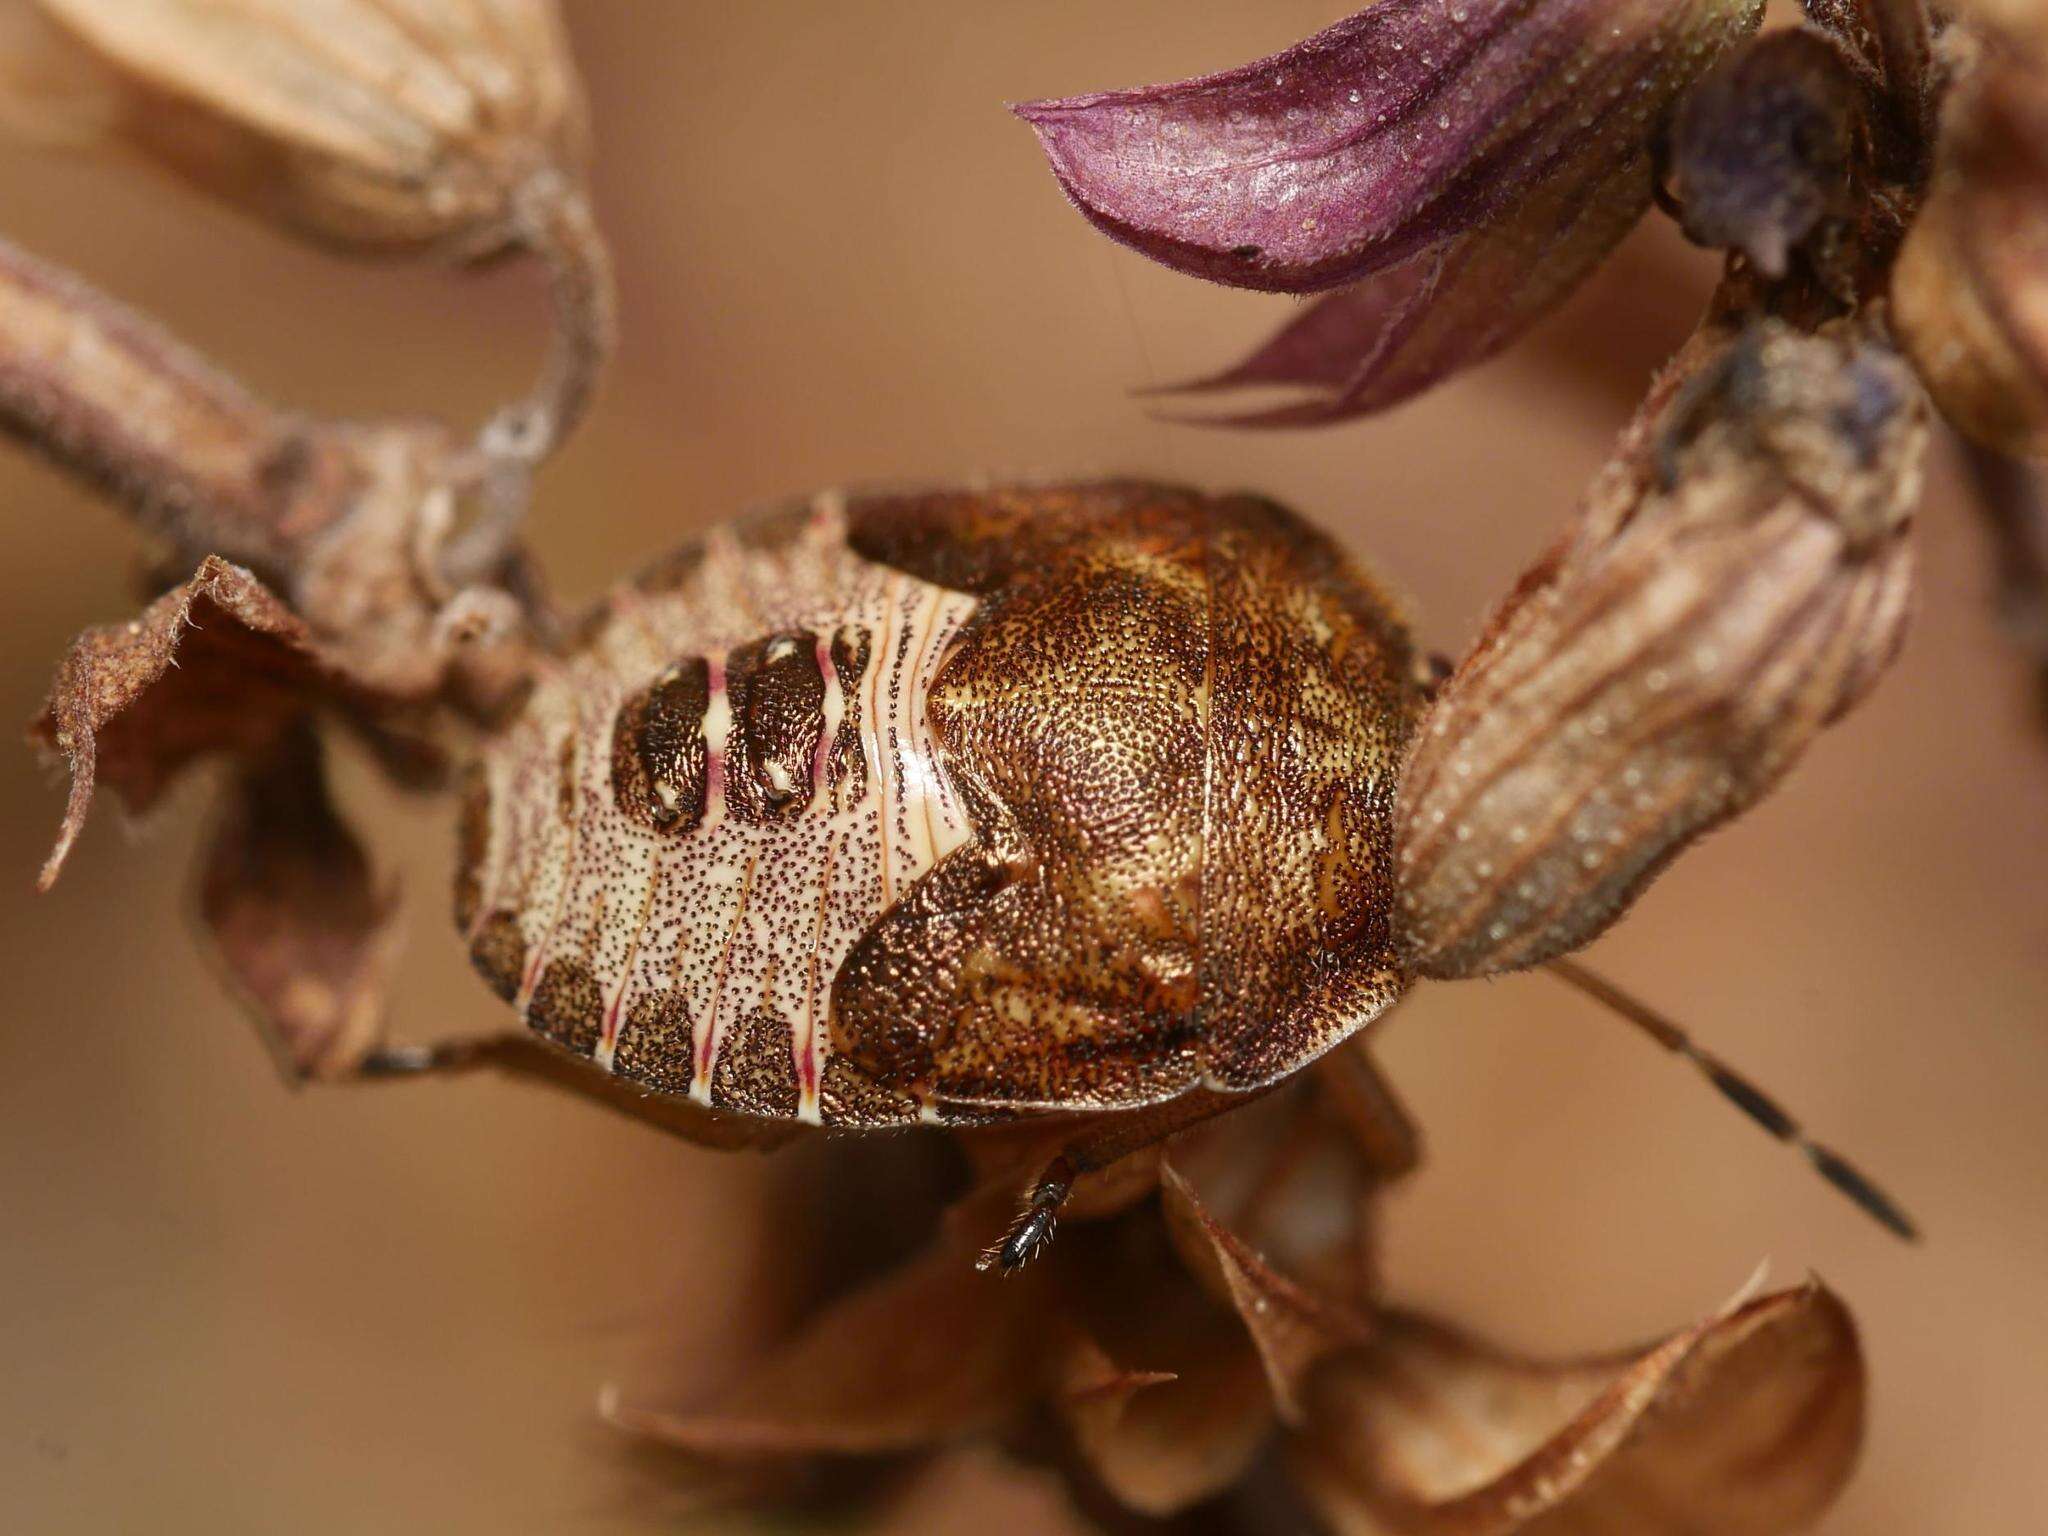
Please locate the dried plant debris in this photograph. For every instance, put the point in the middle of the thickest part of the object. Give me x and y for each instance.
(1748, 1421)
(1738, 580)
(359, 527)
(1970, 292)
(216, 665)
(1893, 43)
(364, 121)
(302, 928)
(1127, 1364)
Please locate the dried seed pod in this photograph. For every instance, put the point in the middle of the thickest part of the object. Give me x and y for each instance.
(1739, 579)
(1970, 292)
(384, 123)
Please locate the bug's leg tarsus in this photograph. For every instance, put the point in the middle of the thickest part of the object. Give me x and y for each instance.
(412, 1060)
(1112, 1138)
(1035, 1225)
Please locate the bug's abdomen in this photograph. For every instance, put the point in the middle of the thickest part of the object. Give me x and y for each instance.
(702, 809)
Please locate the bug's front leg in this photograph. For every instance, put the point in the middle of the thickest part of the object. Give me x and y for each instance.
(1109, 1139)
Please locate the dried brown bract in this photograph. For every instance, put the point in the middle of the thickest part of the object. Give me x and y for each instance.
(380, 125)
(300, 923)
(1893, 43)
(221, 667)
(1210, 1339)
(1971, 288)
(217, 665)
(1738, 580)
(335, 577)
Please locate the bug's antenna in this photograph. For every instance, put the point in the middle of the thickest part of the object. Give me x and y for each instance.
(1741, 1092)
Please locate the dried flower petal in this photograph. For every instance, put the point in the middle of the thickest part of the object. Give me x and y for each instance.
(125, 709)
(1182, 1426)
(1389, 336)
(1292, 1327)
(302, 929)
(1748, 1422)
(1738, 581)
(932, 1352)
(1379, 1127)
(377, 122)
(1293, 1177)
(1406, 125)
(216, 665)
(1970, 291)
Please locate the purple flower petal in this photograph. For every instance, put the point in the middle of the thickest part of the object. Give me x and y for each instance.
(1406, 126)
(1392, 335)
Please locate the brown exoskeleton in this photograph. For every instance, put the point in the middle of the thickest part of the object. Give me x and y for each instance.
(1113, 801)
(953, 806)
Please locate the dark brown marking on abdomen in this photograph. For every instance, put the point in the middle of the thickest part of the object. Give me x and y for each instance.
(658, 751)
(848, 1096)
(566, 766)
(499, 954)
(755, 1071)
(656, 1046)
(778, 715)
(567, 1006)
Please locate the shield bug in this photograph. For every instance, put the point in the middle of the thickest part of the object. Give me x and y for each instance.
(888, 809)
(961, 806)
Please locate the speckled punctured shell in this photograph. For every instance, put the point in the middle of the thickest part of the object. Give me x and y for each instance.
(922, 806)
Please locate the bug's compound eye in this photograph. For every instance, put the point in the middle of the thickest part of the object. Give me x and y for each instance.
(778, 706)
(658, 749)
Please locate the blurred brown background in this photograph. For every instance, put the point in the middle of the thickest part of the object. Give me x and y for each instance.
(225, 1308)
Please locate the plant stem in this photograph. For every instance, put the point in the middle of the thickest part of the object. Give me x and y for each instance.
(1905, 50)
(557, 225)
(182, 447)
